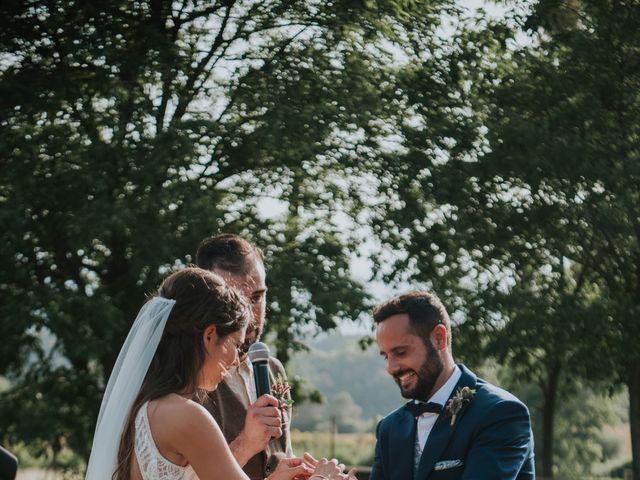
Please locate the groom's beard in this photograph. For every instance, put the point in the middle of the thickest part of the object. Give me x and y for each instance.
(426, 377)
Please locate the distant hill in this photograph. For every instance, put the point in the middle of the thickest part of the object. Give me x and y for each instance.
(336, 364)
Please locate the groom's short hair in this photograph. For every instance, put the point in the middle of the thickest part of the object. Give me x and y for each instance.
(227, 252)
(425, 311)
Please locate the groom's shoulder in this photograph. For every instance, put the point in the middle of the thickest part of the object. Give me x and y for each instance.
(491, 396)
(499, 413)
(495, 393)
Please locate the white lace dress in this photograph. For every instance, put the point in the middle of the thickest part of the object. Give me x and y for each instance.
(153, 465)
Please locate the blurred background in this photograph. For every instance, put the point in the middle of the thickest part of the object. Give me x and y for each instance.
(488, 151)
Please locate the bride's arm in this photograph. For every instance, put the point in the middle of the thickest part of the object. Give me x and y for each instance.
(200, 441)
(192, 433)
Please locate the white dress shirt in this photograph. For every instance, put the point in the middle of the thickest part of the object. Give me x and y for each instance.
(427, 420)
(247, 387)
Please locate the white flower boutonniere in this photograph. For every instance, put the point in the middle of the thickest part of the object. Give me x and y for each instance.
(460, 398)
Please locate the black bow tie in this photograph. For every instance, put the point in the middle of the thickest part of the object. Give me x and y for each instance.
(418, 408)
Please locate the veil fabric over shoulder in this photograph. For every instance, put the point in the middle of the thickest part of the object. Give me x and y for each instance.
(124, 384)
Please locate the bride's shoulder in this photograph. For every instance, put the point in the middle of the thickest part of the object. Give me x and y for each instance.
(178, 424)
(178, 411)
(180, 427)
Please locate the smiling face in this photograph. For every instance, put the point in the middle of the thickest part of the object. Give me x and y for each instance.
(221, 355)
(416, 366)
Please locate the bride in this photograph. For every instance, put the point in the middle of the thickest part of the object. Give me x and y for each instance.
(151, 423)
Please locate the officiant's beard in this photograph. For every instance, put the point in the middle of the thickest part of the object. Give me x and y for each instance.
(426, 376)
(254, 333)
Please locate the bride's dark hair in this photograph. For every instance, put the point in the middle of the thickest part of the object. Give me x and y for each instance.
(202, 299)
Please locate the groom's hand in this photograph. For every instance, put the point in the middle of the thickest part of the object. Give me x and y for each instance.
(262, 423)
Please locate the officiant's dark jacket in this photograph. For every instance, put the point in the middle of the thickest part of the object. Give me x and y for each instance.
(230, 410)
(490, 439)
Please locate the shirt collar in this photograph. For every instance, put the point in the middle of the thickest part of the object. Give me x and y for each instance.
(244, 366)
(445, 391)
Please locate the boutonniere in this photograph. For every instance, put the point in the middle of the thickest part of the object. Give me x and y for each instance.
(282, 391)
(460, 398)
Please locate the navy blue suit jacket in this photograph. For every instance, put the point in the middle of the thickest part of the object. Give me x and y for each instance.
(490, 439)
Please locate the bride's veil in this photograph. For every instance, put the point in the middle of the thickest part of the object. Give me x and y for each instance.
(124, 384)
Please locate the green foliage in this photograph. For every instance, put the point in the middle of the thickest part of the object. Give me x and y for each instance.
(513, 193)
(131, 130)
(565, 125)
(582, 446)
(503, 175)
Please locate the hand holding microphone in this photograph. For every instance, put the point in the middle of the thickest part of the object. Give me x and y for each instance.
(263, 421)
(266, 408)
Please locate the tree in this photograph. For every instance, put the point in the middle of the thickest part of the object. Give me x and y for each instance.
(530, 165)
(570, 132)
(582, 438)
(131, 130)
(536, 324)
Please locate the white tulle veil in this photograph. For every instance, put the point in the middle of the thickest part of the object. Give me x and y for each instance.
(124, 384)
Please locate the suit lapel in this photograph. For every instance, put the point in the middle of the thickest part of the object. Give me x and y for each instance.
(401, 446)
(443, 430)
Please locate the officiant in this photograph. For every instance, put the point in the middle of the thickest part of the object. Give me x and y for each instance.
(257, 431)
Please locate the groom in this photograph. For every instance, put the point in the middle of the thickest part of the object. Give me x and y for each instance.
(257, 435)
(456, 426)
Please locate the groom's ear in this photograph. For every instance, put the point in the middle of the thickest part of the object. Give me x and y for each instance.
(439, 337)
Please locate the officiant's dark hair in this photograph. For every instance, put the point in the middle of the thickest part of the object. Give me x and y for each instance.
(228, 252)
(202, 299)
(425, 311)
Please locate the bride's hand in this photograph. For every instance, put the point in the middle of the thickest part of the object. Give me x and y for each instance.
(311, 463)
(290, 468)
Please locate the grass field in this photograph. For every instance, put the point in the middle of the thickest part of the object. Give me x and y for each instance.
(355, 449)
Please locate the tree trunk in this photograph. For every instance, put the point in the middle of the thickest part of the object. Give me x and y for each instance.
(634, 418)
(548, 415)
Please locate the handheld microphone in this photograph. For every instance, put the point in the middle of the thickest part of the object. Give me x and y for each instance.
(259, 356)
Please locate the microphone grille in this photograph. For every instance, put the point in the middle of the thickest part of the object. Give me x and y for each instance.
(258, 352)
